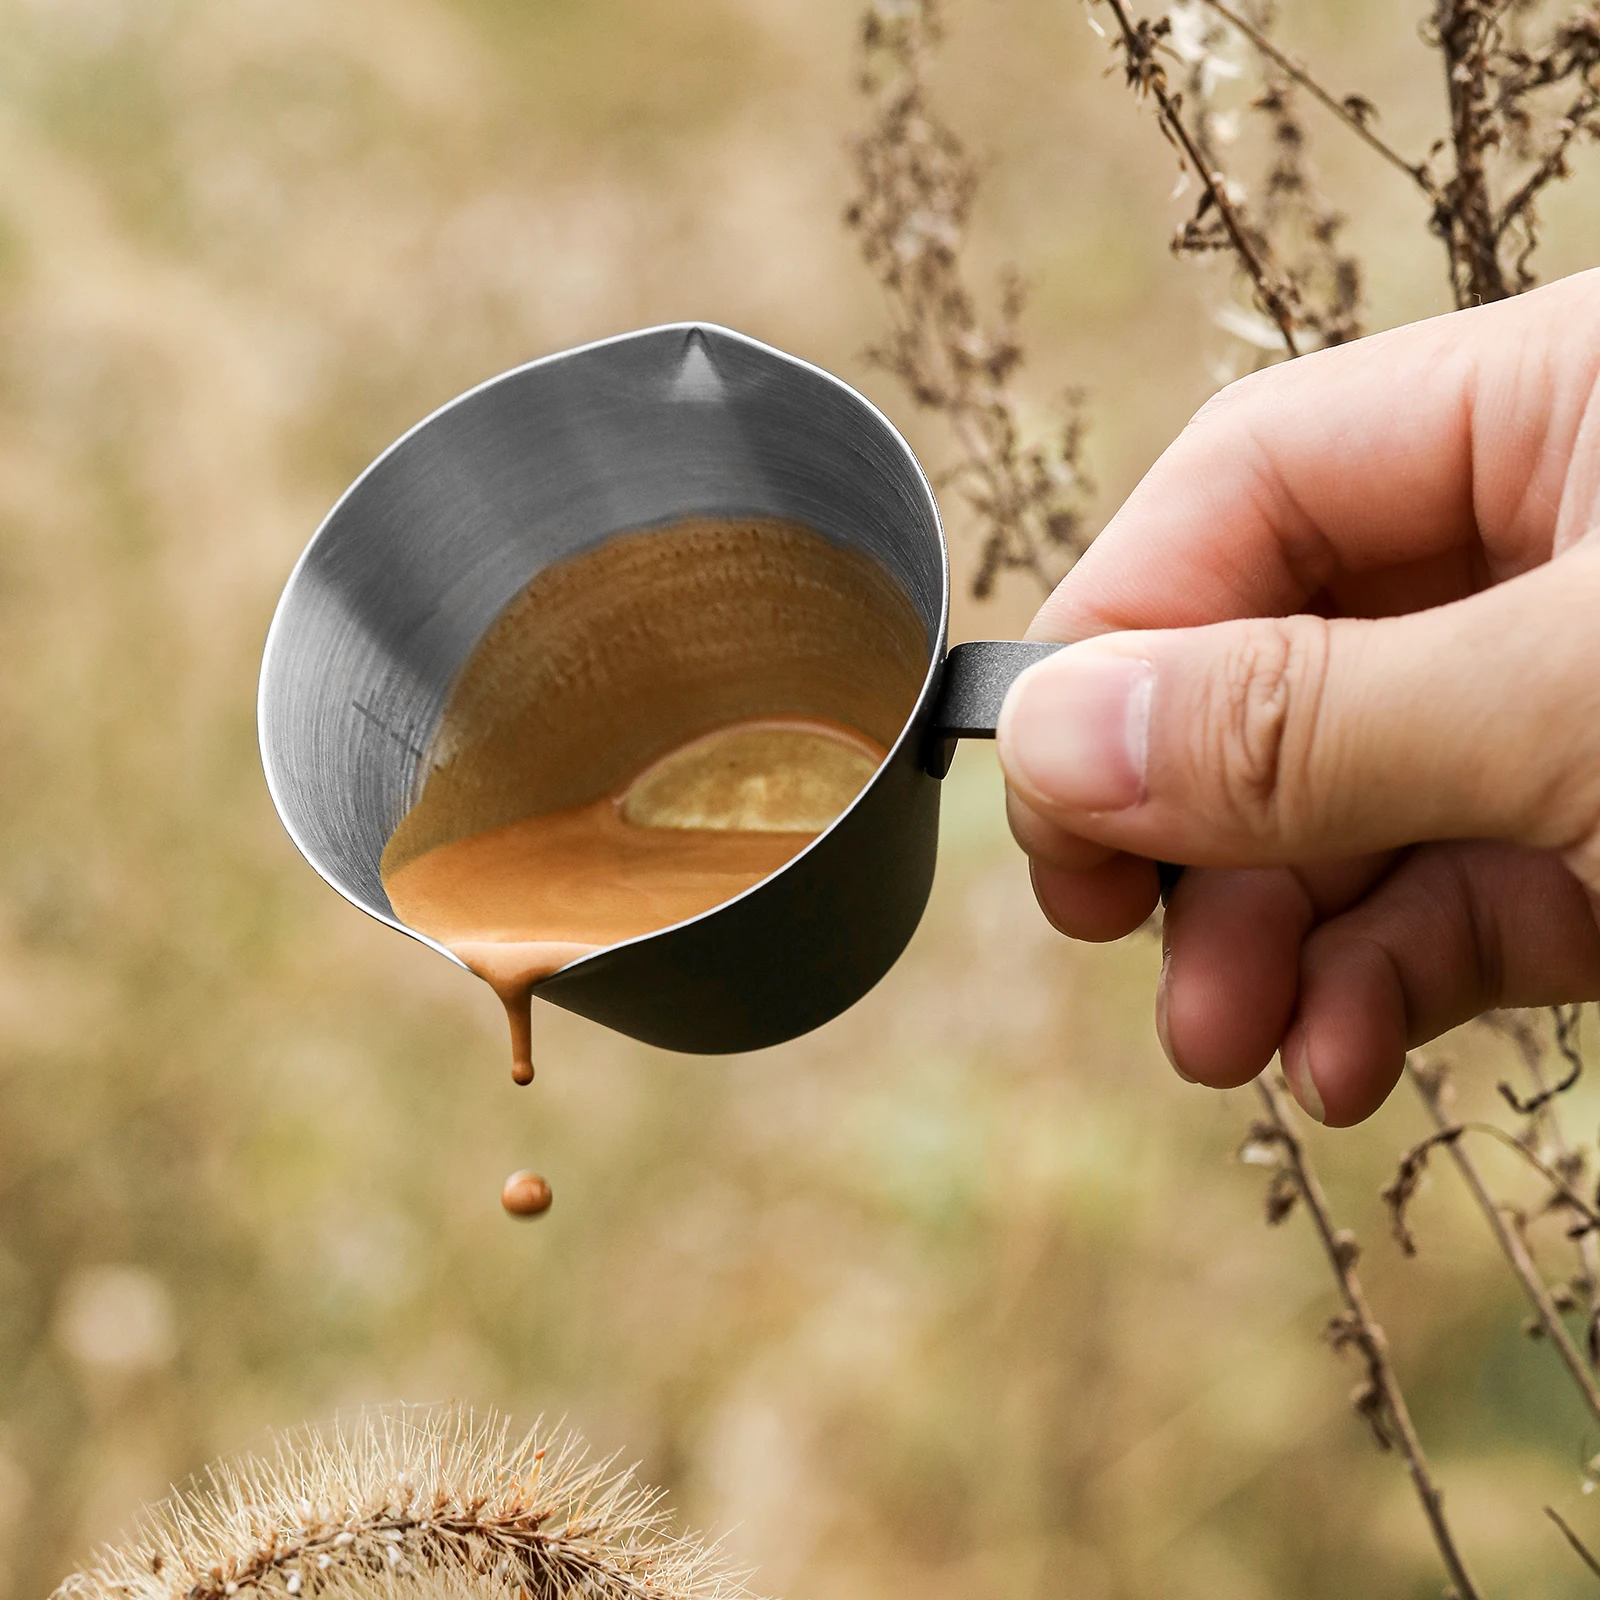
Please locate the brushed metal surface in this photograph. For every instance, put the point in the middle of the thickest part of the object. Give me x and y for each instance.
(429, 545)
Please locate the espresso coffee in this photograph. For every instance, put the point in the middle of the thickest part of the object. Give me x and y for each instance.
(647, 731)
(703, 824)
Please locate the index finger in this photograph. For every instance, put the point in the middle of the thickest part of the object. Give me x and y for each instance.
(1396, 472)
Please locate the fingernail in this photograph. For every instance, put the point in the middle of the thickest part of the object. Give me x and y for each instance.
(1161, 1019)
(1075, 729)
(1296, 1059)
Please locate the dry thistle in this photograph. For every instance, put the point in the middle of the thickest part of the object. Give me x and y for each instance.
(916, 183)
(411, 1503)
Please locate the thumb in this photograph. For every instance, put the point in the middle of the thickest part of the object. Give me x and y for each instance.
(1293, 739)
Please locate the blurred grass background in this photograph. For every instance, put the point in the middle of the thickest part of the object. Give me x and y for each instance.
(961, 1295)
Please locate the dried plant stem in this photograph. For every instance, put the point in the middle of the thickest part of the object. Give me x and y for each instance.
(1467, 31)
(1544, 1108)
(1573, 124)
(917, 185)
(1291, 68)
(1367, 1334)
(1510, 1240)
(1588, 1242)
(1572, 1539)
(1450, 1135)
(1137, 47)
(987, 460)
(916, 182)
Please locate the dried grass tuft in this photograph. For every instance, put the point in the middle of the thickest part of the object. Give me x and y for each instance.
(412, 1502)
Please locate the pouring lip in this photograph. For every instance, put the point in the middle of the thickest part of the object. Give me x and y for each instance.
(706, 330)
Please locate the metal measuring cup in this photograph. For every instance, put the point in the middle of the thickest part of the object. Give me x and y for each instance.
(427, 547)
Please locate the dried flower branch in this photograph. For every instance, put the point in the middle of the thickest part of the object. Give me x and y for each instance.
(1432, 1084)
(1545, 1129)
(1379, 1399)
(1493, 82)
(1508, 133)
(1400, 1192)
(1465, 33)
(432, 1505)
(1566, 1020)
(1354, 110)
(1218, 216)
(916, 184)
(1326, 279)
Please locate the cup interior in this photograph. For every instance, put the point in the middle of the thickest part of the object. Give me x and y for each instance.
(612, 659)
(670, 629)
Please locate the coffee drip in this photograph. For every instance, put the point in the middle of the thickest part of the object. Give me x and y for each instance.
(708, 821)
(525, 1194)
(648, 731)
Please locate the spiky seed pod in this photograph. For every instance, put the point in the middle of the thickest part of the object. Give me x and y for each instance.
(411, 1505)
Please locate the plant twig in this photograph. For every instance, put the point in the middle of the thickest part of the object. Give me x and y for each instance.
(913, 247)
(1574, 122)
(1466, 32)
(1357, 1326)
(1354, 121)
(1449, 1135)
(1572, 1539)
(1543, 1111)
(1565, 1020)
(916, 183)
(1430, 1085)
(1146, 75)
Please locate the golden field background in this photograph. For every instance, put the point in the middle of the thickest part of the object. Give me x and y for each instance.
(962, 1295)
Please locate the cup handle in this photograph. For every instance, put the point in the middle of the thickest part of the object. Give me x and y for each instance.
(971, 691)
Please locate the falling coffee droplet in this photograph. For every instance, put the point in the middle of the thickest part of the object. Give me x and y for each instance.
(525, 1194)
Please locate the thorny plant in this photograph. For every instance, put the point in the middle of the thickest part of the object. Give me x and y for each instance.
(412, 1504)
(1518, 103)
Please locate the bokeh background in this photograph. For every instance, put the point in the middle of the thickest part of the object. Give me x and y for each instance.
(961, 1295)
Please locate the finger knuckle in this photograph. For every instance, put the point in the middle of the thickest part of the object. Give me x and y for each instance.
(1261, 717)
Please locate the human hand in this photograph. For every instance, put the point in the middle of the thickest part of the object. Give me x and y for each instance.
(1344, 658)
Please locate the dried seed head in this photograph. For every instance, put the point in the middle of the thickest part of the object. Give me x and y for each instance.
(247, 1536)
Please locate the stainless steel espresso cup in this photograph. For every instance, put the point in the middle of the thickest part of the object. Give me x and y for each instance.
(547, 462)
